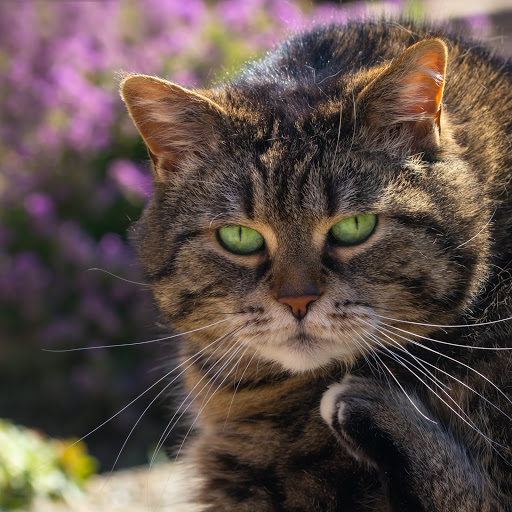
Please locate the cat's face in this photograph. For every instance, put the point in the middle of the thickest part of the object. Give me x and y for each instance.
(294, 228)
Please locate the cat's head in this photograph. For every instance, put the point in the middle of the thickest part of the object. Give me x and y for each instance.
(297, 219)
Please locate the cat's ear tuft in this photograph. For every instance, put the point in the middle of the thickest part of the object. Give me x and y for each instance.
(178, 125)
(409, 93)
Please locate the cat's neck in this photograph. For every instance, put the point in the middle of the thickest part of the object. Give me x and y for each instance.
(232, 393)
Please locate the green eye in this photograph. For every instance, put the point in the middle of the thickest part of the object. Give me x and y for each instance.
(353, 230)
(240, 239)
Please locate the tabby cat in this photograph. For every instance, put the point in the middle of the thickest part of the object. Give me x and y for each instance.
(333, 229)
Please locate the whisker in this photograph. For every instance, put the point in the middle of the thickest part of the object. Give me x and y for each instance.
(237, 386)
(491, 322)
(423, 370)
(448, 375)
(170, 425)
(462, 415)
(137, 342)
(376, 355)
(139, 396)
(197, 356)
(363, 352)
(473, 237)
(203, 404)
(146, 285)
(169, 428)
(447, 357)
(448, 342)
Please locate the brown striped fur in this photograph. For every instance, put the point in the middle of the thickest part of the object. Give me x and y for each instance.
(337, 122)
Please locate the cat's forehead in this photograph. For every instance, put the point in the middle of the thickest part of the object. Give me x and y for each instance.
(291, 183)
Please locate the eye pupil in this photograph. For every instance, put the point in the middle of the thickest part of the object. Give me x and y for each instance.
(240, 233)
(356, 220)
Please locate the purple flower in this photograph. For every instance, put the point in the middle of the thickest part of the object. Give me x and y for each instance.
(39, 205)
(130, 178)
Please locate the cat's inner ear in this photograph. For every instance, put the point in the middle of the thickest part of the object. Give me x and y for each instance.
(409, 93)
(179, 126)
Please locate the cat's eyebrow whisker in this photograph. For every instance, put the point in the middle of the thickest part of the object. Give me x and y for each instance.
(337, 139)
(347, 155)
(491, 322)
(138, 342)
(145, 285)
(497, 388)
(473, 237)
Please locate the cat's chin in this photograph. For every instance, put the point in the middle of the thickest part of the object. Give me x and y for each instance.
(304, 353)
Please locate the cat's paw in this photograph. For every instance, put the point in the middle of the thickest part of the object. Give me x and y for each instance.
(352, 393)
(373, 421)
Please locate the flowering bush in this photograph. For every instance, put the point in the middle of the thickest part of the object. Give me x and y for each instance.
(31, 466)
(74, 177)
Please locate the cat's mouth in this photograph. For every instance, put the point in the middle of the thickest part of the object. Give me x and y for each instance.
(302, 339)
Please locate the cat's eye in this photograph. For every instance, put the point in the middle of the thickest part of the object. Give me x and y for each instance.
(240, 239)
(353, 230)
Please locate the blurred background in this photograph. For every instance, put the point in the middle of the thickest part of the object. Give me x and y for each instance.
(74, 176)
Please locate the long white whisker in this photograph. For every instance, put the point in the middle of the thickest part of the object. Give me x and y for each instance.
(491, 322)
(376, 355)
(146, 285)
(420, 361)
(444, 355)
(203, 404)
(464, 416)
(169, 428)
(141, 395)
(197, 356)
(473, 237)
(423, 370)
(138, 342)
(363, 353)
(236, 388)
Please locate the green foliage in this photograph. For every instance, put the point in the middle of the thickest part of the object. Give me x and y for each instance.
(32, 465)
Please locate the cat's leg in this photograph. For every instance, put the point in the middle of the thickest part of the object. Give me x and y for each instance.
(421, 465)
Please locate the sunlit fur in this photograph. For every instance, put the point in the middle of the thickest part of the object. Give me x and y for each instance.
(334, 123)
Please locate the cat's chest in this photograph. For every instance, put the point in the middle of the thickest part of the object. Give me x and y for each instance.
(281, 455)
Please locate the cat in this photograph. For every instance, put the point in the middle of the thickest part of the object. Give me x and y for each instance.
(333, 229)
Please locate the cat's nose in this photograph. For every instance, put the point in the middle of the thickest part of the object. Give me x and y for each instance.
(299, 304)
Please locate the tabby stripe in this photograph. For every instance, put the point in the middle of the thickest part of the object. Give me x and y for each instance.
(168, 269)
(248, 198)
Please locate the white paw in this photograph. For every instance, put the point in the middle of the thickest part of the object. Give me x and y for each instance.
(332, 405)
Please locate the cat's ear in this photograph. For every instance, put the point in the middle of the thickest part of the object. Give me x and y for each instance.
(177, 125)
(408, 94)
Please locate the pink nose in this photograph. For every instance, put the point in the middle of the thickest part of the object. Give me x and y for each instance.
(298, 304)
